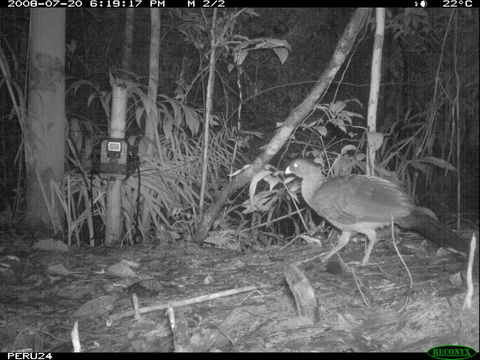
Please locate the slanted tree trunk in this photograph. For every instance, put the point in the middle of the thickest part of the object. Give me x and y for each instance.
(343, 48)
(45, 126)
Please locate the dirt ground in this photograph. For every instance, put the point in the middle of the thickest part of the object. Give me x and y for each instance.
(223, 300)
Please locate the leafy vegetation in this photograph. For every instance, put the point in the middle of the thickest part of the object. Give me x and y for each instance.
(267, 61)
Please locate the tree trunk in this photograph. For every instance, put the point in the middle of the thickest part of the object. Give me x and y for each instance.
(208, 111)
(152, 119)
(343, 48)
(127, 48)
(45, 129)
(374, 139)
(113, 211)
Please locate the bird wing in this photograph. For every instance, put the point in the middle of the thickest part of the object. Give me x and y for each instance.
(357, 199)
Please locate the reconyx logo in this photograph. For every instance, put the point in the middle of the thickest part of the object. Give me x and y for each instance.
(456, 352)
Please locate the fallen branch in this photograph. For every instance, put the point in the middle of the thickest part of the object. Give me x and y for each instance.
(178, 303)
(468, 298)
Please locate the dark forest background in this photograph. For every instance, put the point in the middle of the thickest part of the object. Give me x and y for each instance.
(428, 106)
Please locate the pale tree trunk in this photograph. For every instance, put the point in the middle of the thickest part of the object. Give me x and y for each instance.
(45, 129)
(113, 212)
(374, 139)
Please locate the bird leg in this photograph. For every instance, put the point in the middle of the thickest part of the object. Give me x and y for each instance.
(342, 241)
(372, 238)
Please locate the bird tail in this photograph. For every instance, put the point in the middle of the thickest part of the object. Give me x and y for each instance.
(427, 226)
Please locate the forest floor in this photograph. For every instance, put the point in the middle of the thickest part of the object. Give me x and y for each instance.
(222, 300)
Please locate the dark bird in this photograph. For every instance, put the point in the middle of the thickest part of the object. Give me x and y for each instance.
(363, 204)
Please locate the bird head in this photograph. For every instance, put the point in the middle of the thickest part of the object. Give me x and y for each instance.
(303, 168)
